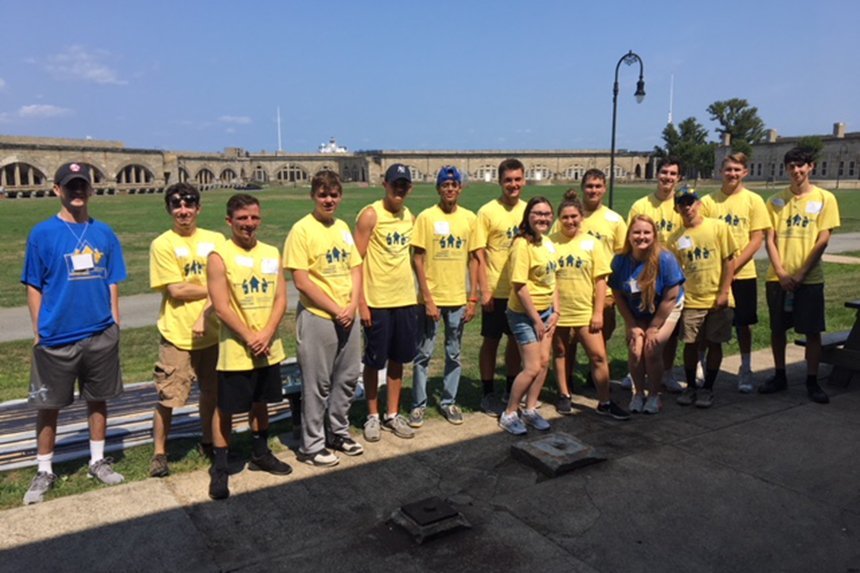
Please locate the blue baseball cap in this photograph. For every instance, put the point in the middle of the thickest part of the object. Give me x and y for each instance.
(686, 192)
(396, 172)
(448, 173)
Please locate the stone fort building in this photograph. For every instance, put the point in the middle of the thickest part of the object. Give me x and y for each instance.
(27, 165)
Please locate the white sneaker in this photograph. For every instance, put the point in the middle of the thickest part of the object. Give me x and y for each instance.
(535, 420)
(671, 384)
(653, 405)
(700, 374)
(745, 382)
(637, 403)
(511, 423)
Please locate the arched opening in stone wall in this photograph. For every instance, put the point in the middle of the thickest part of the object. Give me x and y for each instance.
(538, 173)
(204, 177)
(416, 174)
(135, 175)
(486, 173)
(21, 174)
(291, 173)
(228, 176)
(183, 175)
(638, 171)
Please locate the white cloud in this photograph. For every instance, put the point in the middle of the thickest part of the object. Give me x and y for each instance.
(235, 119)
(76, 63)
(2, 84)
(41, 111)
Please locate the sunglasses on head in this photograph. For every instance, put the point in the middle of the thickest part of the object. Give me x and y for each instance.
(177, 200)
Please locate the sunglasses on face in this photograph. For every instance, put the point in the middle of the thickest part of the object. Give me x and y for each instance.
(177, 200)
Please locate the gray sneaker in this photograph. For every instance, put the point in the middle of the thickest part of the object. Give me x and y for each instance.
(399, 427)
(371, 429)
(39, 487)
(705, 398)
(535, 420)
(687, 397)
(491, 406)
(512, 424)
(416, 417)
(103, 471)
(452, 413)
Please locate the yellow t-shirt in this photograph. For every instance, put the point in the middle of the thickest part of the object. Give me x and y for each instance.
(701, 251)
(445, 238)
(495, 230)
(533, 266)
(662, 212)
(744, 212)
(581, 261)
(253, 279)
(796, 222)
(176, 259)
(603, 224)
(328, 254)
(388, 280)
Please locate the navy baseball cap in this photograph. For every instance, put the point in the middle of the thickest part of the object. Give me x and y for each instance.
(448, 173)
(70, 171)
(686, 192)
(397, 172)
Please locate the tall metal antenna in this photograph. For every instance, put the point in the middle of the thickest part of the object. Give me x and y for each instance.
(279, 129)
(671, 95)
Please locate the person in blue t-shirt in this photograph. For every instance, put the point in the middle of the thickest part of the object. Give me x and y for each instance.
(72, 268)
(647, 283)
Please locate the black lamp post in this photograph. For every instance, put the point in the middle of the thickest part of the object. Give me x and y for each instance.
(629, 58)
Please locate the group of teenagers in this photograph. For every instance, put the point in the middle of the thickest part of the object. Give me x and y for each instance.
(679, 265)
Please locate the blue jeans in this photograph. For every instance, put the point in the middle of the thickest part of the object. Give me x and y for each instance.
(452, 317)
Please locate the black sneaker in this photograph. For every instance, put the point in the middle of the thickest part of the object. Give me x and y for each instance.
(563, 405)
(158, 466)
(346, 445)
(218, 483)
(269, 463)
(614, 410)
(773, 385)
(817, 395)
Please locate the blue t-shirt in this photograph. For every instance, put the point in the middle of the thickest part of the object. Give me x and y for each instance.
(73, 265)
(626, 271)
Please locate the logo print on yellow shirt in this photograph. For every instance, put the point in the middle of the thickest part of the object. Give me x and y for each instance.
(336, 255)
(732, 220)
(698, 254)
(665, 225)
(570, 261)
(512, 232)
(256, 285)
(798, 221)
(451, 242)
(396, 239)
(193, 268)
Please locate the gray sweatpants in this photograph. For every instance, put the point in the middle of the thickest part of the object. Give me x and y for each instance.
(330, 359)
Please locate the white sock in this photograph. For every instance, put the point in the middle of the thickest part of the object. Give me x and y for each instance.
(746, 363)
(371, 416)
(97, 451)
(45, 462)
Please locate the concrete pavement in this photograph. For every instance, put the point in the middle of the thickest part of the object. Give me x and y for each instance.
(756, 483)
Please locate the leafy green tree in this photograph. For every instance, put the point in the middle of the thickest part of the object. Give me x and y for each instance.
(740, 120)
(812, 142)
(689, 143)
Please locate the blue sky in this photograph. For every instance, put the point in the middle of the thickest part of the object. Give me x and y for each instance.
(193, 75)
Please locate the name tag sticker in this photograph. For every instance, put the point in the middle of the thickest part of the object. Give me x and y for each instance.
(83, 262)
(550, 247)
(814, 207)
(587, 245)
(441, 228)
(634, 286)
(685, 243)
(182, 252)
(612, 217)
(269, 266)
(347, 238)
(246, 262)
(779, 202)
(203, 249)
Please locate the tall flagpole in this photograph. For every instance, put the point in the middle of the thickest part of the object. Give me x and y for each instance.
(279, 129)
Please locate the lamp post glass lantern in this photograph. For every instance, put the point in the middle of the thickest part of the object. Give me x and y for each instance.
(629, 59)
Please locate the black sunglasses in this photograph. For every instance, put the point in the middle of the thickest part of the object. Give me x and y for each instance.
(189, 200)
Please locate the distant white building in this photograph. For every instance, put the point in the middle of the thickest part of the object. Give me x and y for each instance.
(332, 147)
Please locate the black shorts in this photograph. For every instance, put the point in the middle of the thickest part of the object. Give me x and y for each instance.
(745, 292)
(805, 312)
(494, 324)
(237, 390)
(93, 362)
(392, 335)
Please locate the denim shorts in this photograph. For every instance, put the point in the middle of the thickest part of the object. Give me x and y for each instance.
(522, 326)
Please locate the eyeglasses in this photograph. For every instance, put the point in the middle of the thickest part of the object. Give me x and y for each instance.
(542, 213)
(177, 200)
